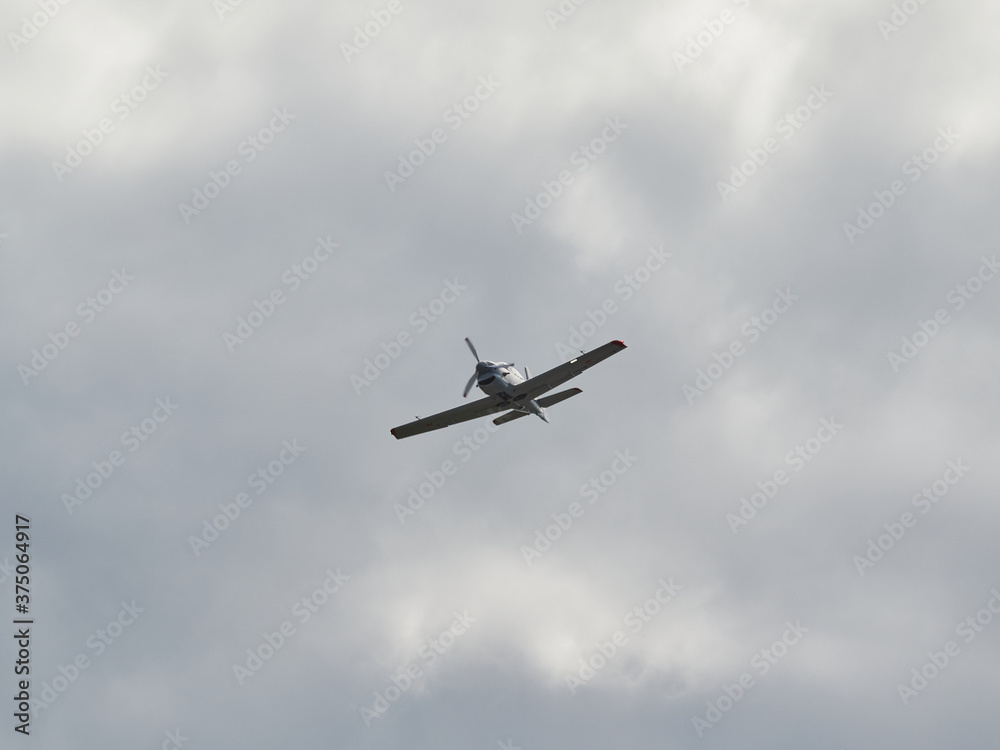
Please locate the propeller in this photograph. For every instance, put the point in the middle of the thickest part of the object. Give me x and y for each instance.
(468, 386)
(480, 367)
(472, 349)
(475, 375)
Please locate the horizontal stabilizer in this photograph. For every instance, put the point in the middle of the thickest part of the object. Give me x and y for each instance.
(543, 402)
(555, 398)
(510, 417)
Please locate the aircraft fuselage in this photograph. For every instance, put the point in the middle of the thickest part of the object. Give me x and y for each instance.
(498, 379)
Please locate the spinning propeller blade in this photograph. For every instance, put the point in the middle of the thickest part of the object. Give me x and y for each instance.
(472, 349)
(468, 386)
(472, 380)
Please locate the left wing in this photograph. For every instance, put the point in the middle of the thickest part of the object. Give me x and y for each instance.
(463, 413)
(536, 386)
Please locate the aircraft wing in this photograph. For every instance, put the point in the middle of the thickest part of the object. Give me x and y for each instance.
(536, 386)
(463, 413)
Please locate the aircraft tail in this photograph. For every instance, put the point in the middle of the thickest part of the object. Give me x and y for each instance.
(543, 402)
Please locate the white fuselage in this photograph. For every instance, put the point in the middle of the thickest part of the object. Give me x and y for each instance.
(499, 379)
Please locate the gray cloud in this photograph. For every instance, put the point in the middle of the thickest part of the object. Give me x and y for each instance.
(336, 508)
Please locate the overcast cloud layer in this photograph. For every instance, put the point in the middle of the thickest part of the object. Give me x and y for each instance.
(770, 522)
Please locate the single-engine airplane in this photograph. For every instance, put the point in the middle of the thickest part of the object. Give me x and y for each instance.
(508, 390)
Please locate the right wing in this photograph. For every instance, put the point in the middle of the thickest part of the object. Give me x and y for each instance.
(536, 386)
(463, 413)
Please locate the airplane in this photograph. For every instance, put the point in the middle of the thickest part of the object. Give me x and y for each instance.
(509, 391)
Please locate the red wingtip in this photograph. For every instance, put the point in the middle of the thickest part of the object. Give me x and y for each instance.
(620, 343)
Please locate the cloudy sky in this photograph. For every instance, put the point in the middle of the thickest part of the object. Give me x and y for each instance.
(240, 242)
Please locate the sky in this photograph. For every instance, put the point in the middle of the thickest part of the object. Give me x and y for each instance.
(239, 242)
